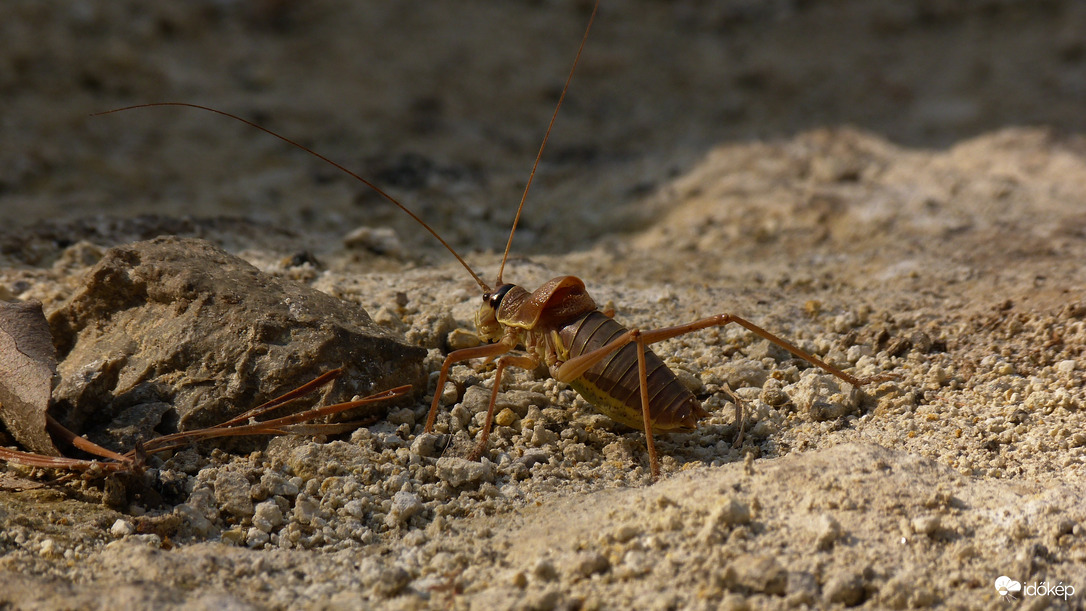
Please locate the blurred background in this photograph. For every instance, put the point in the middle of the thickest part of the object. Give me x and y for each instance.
(445, 103)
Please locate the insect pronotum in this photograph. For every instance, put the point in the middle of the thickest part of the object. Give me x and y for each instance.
(561, 326)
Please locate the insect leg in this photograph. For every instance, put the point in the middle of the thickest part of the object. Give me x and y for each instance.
(720, 320)
(524, 362)
(575, 367)
(457, 356)
(740, 419)
(643, 382)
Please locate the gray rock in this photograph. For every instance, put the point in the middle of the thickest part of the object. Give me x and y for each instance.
(181, 321)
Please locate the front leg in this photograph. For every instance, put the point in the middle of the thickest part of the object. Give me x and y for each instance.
(479, 352)
(528, 361)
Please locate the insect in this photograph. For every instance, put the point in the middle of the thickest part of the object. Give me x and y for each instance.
(560, 325)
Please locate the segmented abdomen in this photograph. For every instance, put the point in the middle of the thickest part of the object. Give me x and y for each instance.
(612, 384)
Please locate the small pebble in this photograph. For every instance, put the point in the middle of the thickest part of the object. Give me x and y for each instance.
(544, 570)
(122, 528)
(844, 588)
(690, 381)
(391, 582)
(756, 573)
(267, 516)
(404, 506)
(355, 508)
(255, 537)
(546, 600)
(458, 339)
(232, 493)
(926, 525)
(590, 563)
(626, 532)
(506, 417)
(457, 471)
(829, 531)
(428, 445)
(197, 522)
(732, 512)
(534, 457)
(48, 548)
(305, 509)
(734, 602)
(541, 436)
(402, 416)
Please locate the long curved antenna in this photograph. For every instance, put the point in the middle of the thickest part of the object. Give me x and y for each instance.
(523, 198)
(339, 167)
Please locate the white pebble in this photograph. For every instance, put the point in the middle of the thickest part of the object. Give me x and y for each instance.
(355, 508)
(267, 516)
(926, 525)
(256, 537)
(122, 528)
(404, 506)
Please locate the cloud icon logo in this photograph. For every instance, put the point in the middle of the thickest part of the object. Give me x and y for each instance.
(1007, 587)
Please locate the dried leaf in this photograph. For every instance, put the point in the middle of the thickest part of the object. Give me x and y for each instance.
(9, 481)
(28, 363)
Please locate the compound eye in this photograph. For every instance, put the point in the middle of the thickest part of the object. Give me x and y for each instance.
(495, 299)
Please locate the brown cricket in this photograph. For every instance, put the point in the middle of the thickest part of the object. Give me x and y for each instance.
(561, 326)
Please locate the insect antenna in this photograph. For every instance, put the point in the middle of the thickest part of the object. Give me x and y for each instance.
(546, 136)
(338, 166)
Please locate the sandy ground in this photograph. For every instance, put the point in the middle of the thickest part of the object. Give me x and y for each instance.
(900, 187)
